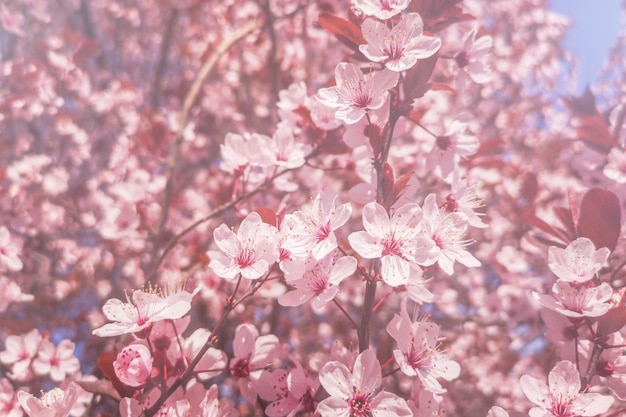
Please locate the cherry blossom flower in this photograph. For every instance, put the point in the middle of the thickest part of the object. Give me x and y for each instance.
(578, 262)
(10, 249)
(250, 252)
(610, 368)
(241, 151)
(212, 362)
(54, 403)
(562, 396)
(393, 240)
(313, 227)
(472, 60)
(323, 116)
(418, 353)
(577, 300)
(400, 47)
(11, 292)
(353, 392)
(447, 231)
(287, 152)
(289, 392)
(463, 199)
(318, 282)
(382, 9)
(210, 406)
(615, 168)
(496, 411)
(252, 353)
(456, 143)
(356, 93)
(143, 309)
(58, 361)
(133, 365)
(9, 407)
(19, 353)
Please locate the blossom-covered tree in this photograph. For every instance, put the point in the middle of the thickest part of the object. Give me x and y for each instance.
(297, 208)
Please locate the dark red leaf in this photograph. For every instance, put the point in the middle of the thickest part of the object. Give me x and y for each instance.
(565, 216)
(540, 224)
(600, 218)
(105, 363)
(416, 79)
(268, 216)
(346, 31)
(612, 321)
(399, 188)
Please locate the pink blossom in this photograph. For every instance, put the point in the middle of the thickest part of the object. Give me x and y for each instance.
(11, 292)
(289, 392)
(400, 47)
(11, 21)
(562, 396)
(312, 228)
(418, 353)
(464, 199)
(210, 406)
(133, 365)
(447, 232)
(473, 60)
(10, 248)
(252, 353)
(393, 240)
(615, 168)
(58, 361)
(19, 353)
(318, 282)
(250, 252)
(242, 151)
(143, 309)
(54, 403)
(610, 369)
(382, 9)
(354, 392)
(212, 362)
(578, 262)
(577, 300)
(456, 143)
(496, 411)
(356, 93)
(287, 152)
(9, 407)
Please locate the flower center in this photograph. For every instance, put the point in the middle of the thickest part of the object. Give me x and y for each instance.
(461, 59)
(360, 405)
(241, 369)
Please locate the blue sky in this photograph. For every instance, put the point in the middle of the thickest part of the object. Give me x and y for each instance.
(595, 24)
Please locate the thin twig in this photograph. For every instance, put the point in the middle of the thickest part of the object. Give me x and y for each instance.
(188, 103)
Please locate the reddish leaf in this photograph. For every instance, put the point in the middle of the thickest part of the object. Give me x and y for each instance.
(100, 386)
(565, 216)
(529, 188)
(594, 131)
(105, 363)
(612, 321)
(574, 206)
(590, 125)
(540, 224)
(442, 87)
(416, 80)
(600, 218)
(387, 182)
(346, 31)
(399, 188)
(585, 105)
(268, 216)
